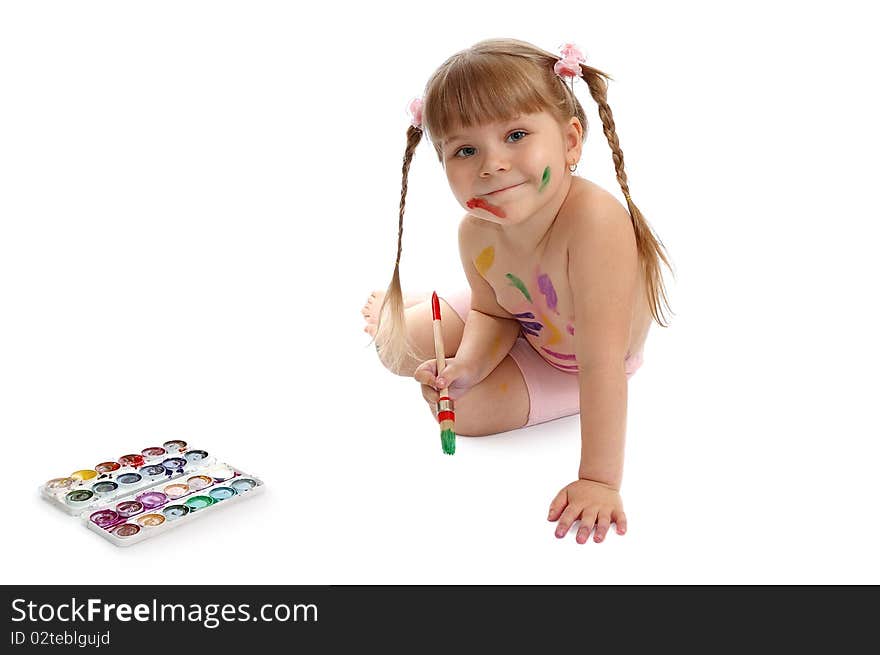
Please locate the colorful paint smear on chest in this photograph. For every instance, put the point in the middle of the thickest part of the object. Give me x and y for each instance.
(515, 281)
(484, 260)
(528, 324)
(480, 203)
(545, 179)
(545, 286)
(555, 334)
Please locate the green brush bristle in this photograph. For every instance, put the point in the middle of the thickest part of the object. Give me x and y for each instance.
(447, 439)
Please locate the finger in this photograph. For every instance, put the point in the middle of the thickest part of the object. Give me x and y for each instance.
(569, 516)
(557, 505)
(426, 372)
(583, 533)
(602, 526)
(619, 519)
(588, 520)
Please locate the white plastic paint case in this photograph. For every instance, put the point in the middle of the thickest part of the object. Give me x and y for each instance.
(145, 521)
(131, 477)
(152, 504)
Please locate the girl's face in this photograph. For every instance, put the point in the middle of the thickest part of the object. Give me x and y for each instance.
(504, 172)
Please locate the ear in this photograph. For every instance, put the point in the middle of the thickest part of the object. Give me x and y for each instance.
(574, 139)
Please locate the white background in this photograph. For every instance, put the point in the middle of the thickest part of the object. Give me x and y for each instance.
(196, 199)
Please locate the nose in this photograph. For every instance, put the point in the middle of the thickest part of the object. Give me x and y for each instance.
(494, 161)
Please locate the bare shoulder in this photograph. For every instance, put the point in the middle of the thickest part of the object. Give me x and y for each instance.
(590, 207)
(472, 232)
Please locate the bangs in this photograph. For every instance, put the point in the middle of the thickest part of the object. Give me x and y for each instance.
(475, 89)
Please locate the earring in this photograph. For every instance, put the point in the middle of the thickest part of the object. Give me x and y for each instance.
(572, 170)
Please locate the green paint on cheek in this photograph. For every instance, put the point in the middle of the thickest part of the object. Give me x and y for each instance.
(545, 180)
(515, 281)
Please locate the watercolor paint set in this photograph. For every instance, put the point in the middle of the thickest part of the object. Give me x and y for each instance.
(137, 496)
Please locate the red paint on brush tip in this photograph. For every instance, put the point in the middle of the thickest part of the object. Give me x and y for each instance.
(479, 203)
(435, 306)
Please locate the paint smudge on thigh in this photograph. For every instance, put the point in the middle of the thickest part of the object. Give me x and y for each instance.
(546, 287)
(503, 387)
(484, 260)
(479, 203)
(515, 281)
(545, 180)
(496, 343)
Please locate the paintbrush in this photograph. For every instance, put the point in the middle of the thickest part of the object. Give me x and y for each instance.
(445, 406)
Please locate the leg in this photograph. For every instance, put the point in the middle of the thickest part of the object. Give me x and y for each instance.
(497, 404)
(420, 325)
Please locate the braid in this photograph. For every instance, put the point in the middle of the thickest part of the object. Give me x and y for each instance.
(392, 345)
(651, 249)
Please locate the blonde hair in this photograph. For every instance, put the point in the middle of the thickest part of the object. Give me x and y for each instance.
(498, 80)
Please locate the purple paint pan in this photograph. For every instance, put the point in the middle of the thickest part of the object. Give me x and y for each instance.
(104, 518)
(152, 499)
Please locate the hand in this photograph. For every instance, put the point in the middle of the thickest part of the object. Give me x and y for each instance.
(458, 375)
(594, 503)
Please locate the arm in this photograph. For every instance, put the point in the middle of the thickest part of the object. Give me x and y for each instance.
(603, 272)
(489, 331)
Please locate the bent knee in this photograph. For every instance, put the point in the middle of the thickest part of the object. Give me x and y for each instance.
(497, 404)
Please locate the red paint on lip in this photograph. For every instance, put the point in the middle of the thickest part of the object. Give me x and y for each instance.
(479, 203)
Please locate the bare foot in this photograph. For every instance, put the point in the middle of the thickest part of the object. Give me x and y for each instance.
(374, 303)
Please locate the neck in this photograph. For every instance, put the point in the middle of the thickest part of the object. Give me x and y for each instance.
(527, 236)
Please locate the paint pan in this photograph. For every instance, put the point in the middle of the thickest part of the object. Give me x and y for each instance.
(124, 530)
(150, 520)
(220, 472)
(222, 493)
(153, 472)
(197, 482)
(85, 474)
(107, 467)
(132, 461)
(174, 446)
(60, 484)
(106, 489)
(174, 465)
(152, 499)
(153, 454)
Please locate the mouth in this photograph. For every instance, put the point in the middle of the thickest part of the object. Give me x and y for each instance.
(508, 188)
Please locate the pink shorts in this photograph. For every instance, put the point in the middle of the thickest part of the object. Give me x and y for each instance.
(552, 393)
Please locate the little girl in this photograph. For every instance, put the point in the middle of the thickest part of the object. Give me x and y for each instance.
(564, 281)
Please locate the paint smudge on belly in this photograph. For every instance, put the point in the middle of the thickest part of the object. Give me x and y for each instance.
(484, 260)
(570, 329)
(479, 203)
(545, 180)
(558, 355)
(555, 334)
(515, 281)
(545, 286)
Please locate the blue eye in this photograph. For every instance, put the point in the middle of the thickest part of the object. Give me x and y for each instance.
(509, 136)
